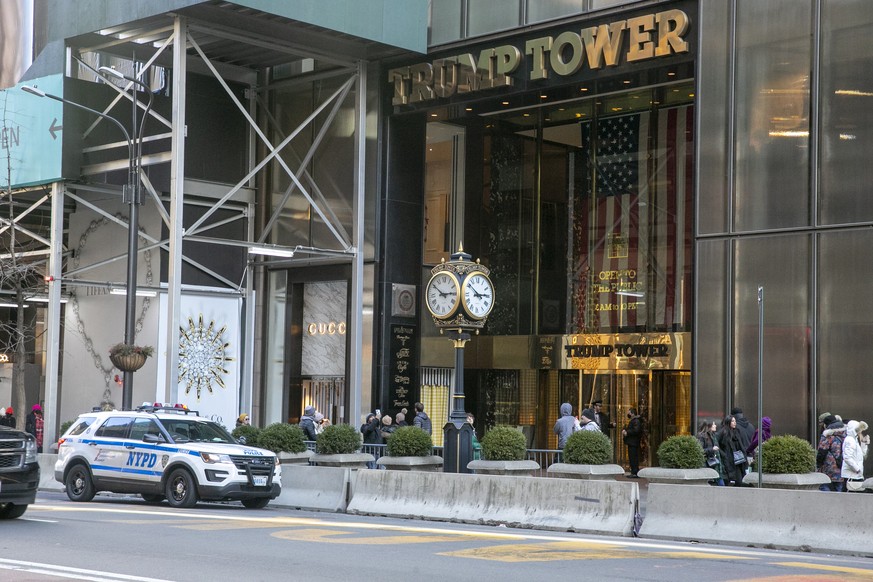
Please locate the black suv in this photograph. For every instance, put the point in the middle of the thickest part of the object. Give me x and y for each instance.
(19, 472)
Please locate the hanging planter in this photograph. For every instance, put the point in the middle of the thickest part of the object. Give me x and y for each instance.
(129, 358)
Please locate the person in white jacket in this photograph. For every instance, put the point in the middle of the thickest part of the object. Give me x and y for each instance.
(854, 453)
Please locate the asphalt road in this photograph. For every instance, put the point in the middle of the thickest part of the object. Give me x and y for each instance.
(122, 538)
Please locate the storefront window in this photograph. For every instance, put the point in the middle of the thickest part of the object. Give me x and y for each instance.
(274, 353)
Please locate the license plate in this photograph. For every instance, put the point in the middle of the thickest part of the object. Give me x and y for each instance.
(259, 481)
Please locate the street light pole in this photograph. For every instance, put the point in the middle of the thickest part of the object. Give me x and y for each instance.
(131, 196)
(133, 199)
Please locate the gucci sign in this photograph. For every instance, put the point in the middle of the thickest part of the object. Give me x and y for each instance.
(329, 328)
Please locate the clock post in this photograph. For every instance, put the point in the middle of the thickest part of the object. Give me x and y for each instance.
(459, 297)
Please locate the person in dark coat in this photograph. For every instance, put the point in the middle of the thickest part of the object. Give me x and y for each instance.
(34, 425)
(743, 423)
(829, 454)
(421, 420)
(8, 419)
(633, 435)
(602, 418)
(400, 418)
(707, 436)
(307, 423)
(731, 440)
(756, 439)
(371, 430)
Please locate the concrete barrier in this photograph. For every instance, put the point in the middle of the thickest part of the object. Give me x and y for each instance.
(47, 473)
(604, 507)
(321, 488)
(769, 518)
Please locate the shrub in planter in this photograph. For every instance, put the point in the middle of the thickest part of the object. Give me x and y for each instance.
(787, 454)
(338, 439)
(248, 431)
(588, 447)
(280, 436)
(409, 441)
(503, 443)
(681, 452)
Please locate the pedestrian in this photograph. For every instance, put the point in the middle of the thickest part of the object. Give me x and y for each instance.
(565, 425)
(854, 453)
(829, 454)
(8, 419)
(602, 418)
(821, 424)
(708, 439)
(765, 428)
(320, 423)
(421, 419)
(388, 427)
(34, 425)
(370, 430)
(477, 447)
(633, 435)
(307, 424)
(242, 419)
(733, 443)
(400, 418)
(743, 423)
(588, 420)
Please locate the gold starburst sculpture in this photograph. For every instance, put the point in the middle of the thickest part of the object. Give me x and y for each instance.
(202, 356)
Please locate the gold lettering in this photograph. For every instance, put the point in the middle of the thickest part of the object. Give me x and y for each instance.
(341, 328)
(312, 329)
(538, 48)
(506, 61)
(331, 328)
(399, 77)
(445, 78)
(602, 43)
(640, 31)
(574, 63)
(422, 81)
(670, 37)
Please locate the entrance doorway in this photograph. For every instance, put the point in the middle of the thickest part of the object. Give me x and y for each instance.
(662, 398)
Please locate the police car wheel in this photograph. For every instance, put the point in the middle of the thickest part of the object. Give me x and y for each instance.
(78, 484)
(12, 510)
(152, 497)
(258, 503)
(181, 489)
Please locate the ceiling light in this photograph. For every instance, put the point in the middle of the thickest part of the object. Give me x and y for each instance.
(631, 293)
(139, 292)
(272, 251)
(44, 299)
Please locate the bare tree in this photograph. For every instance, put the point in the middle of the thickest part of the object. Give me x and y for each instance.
(22, 272)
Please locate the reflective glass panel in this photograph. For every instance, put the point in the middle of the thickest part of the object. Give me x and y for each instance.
(445, 21)
(492, 15)
(710, 329)
(772, 114)
(779, 264)
(845, 323)
(846, 112)
(538, 10)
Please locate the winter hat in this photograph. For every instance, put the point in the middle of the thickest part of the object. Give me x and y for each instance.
(9, 410)
(829, 420)
(319, 417)
(823, 416)
(386, 420)
(309, 411)
(400, 417)
(589, 414)
(36, 408)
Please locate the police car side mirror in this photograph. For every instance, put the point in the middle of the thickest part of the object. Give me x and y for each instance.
(153, 438)
(241, 440)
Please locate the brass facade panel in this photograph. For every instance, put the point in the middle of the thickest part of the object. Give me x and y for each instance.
(619, 351)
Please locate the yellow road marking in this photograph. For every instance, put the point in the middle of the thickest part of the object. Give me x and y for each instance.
(842, 569)
(338, 537)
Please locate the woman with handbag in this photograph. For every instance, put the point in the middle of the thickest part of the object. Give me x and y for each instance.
(706, 436)
(733, 443)
(854, 452)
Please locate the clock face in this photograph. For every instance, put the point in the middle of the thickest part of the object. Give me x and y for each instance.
(478, 295)
(442, 294)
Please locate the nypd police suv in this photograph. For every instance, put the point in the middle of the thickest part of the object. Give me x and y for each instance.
(163, 453)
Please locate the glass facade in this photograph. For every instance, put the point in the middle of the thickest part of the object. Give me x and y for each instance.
(782, 205)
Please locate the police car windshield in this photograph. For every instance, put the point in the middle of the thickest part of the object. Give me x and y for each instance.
(186, 430)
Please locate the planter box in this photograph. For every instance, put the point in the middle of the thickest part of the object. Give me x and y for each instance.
(503, 467)
(700, 476)
(349, 461)
(807, 481)
(430, 463)
(571, 471)
(286, 458)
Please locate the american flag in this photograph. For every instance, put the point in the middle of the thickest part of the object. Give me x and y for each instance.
(632, 237)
